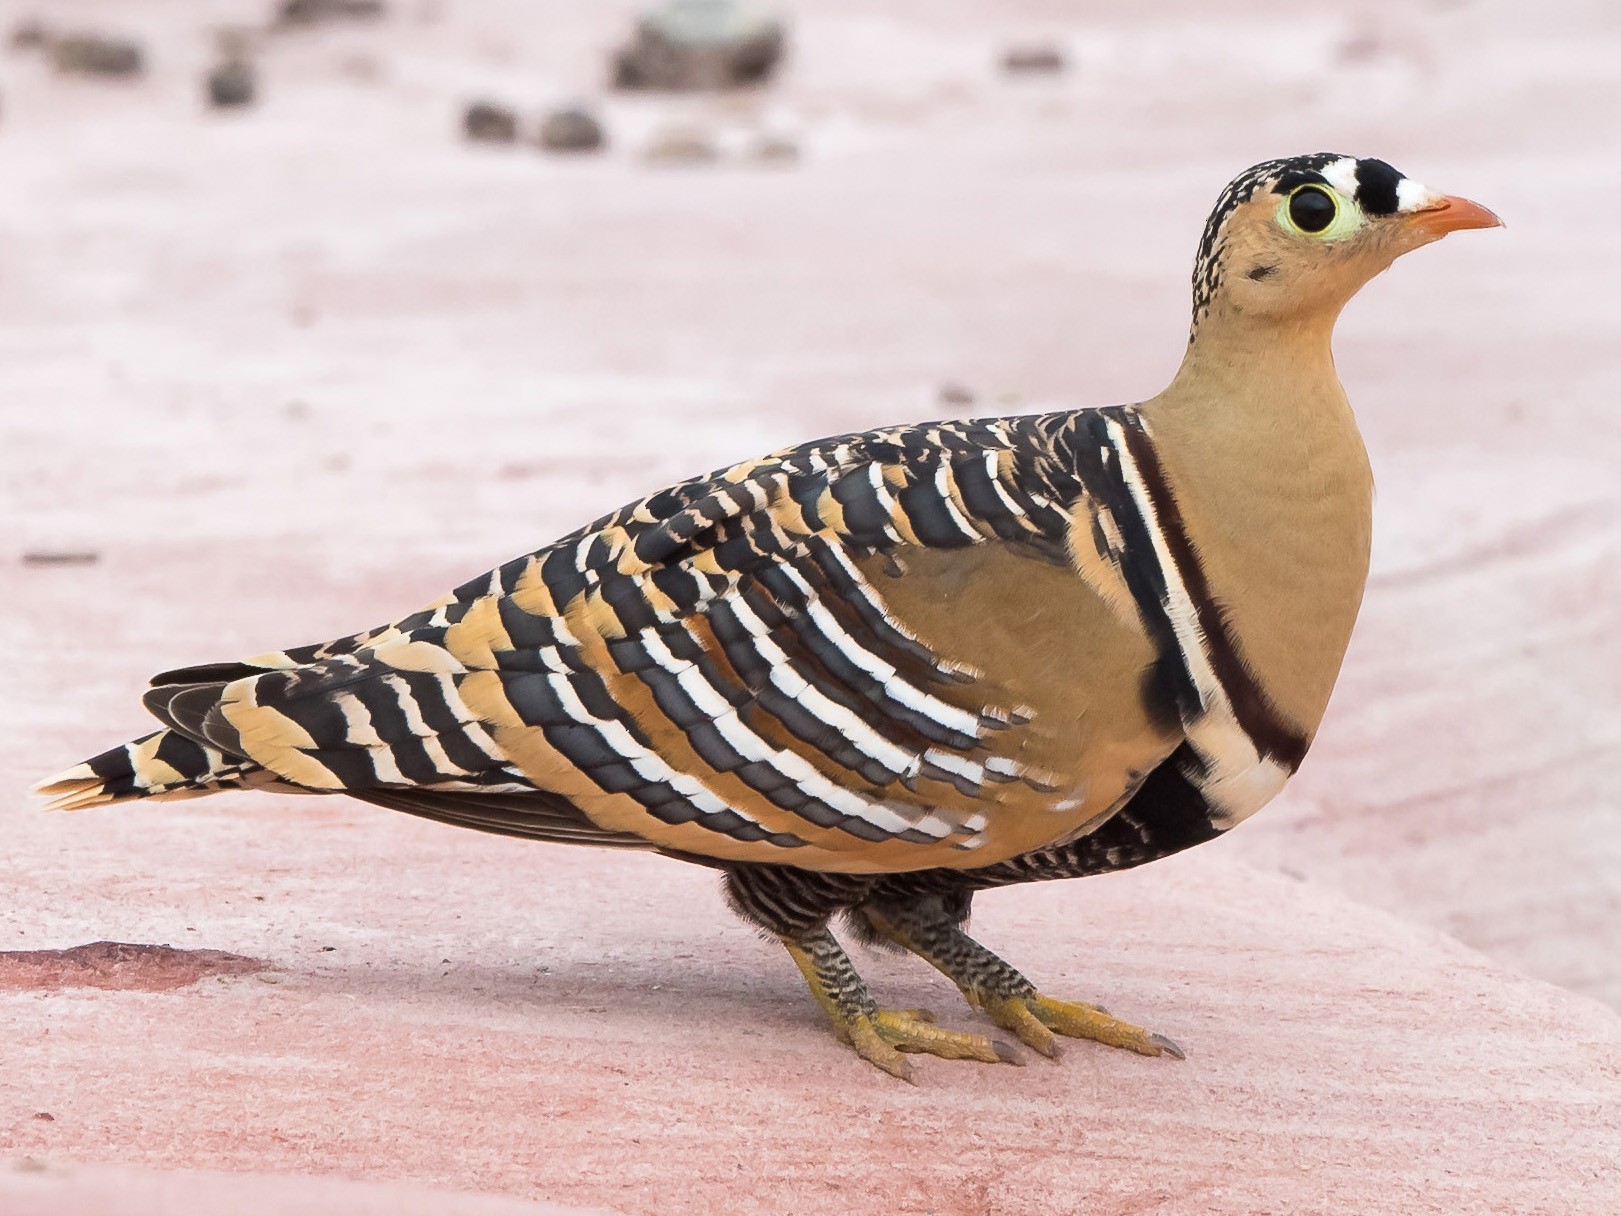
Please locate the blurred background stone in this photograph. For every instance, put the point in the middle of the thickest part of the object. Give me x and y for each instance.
(774, 149)
(363, 67)
(682, 145)
(30, 34)
(37, 557)
(1034, 59)
(232, 85)
(314, 12)
(487, 122)
(571, 129)
(690, 45)
(97, 55)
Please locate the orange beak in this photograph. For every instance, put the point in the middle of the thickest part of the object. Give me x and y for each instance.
(1452, 214)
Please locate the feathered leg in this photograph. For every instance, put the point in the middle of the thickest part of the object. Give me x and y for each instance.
(931, 928)
(795, 906)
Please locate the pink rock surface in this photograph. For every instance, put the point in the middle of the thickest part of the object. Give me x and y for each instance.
(118, 965)
(33, 1189)
(292, 371)
(528, 1020)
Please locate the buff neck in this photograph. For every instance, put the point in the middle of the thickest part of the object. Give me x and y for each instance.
(1264, 457)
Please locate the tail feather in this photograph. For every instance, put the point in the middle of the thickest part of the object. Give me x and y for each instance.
(185, 761)
(165, 764)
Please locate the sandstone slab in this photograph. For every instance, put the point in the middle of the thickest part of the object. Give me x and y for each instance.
(287, 376)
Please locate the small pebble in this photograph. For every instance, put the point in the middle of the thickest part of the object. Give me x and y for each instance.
(701, 45)
(485, 122)
(362, 67)
(39, 558)
(1033, 60)
(313, 12)
(682, 146)
(1364, 46)
(94, 55)
(231, 85)
(30, 34)
(956, 394)
(775, 149)
(45, 1116)
(571, 130)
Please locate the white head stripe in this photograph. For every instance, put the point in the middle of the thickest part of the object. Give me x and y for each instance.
(1342, 175)
(1412, 196)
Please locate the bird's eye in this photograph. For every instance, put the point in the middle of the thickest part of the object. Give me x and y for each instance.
(1312, 209)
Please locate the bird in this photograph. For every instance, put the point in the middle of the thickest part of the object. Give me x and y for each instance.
(872, 676)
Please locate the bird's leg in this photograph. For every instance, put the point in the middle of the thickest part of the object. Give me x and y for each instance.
(927, 929)
(880, 1035)
(795, 905)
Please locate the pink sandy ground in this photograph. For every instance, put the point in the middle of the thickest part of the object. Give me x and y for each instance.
(293, 371)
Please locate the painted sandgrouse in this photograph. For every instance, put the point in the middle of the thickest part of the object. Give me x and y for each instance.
(878, 673)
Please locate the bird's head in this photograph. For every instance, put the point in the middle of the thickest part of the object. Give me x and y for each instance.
(1294, 239)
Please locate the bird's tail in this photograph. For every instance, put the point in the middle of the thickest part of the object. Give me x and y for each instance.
(165, 764)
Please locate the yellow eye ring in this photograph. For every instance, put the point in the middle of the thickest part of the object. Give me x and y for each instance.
(1317, 212)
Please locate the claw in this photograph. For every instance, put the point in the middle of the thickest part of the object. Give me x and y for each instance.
(1007, 1052)
(1168, 1047)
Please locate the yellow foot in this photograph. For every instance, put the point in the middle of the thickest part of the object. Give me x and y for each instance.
(882, 1038)
(1039, 1020)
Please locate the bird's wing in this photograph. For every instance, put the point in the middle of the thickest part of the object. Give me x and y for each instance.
(710, 670)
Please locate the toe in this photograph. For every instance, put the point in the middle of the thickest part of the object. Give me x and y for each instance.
(871, 1046)
(908, 1034)
(1078, 1021)
(1014, 1015)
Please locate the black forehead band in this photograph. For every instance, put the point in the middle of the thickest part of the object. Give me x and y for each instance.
(1295, 178)
(1376, 184)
